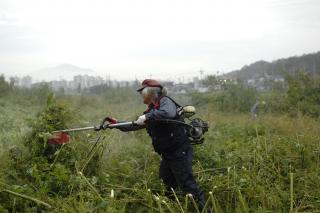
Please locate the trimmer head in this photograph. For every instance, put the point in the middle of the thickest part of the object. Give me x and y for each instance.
(59, 138)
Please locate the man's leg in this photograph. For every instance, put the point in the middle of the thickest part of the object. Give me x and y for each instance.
(168, 178)
(181, 168)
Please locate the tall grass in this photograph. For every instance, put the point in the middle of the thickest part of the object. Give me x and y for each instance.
(269, 164)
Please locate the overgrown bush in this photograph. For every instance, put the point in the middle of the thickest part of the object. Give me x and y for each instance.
(4, 86)
(50, 170)
(304, 94)
(234, 98)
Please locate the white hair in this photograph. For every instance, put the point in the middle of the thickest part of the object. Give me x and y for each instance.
(155, 92)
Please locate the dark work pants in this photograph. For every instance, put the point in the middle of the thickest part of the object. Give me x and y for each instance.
(176, 171)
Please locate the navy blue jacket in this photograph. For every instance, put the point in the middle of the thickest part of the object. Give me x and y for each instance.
(166, 137)
(164, 109)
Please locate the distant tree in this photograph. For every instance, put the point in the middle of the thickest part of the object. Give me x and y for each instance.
(98, 89)
(41, 91)
(79, 88)
(236, 97)
(210, 81)
(303, 94)
(12, 82)
(4, 86)
(61, 90)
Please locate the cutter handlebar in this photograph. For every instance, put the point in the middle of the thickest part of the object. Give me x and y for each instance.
(114, 125)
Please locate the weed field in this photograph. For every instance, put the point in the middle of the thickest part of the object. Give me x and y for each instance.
(267, 164)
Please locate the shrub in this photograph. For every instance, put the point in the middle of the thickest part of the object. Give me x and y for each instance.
(303, 94)
(234, 98)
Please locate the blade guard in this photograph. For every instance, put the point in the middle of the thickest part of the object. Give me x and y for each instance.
(59, 138)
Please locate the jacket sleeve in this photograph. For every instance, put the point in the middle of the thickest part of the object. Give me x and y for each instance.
(167, 110)
(132, 127)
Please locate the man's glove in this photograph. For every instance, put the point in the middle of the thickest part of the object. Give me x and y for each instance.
(111, 120)
(141, 120)
(103, 123)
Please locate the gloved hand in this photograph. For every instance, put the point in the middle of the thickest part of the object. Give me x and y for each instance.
(111, 120)
(140, 121)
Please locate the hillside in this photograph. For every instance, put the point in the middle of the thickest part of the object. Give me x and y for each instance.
(62, 71)
(308, 62)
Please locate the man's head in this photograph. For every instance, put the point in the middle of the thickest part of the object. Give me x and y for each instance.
(151, 90)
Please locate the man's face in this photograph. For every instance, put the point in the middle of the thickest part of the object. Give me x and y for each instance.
(146, 98)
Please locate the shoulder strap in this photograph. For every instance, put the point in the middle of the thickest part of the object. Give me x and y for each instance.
(157, 105)
(178, 105)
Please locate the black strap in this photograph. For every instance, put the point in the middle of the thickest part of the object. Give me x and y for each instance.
(178, 105)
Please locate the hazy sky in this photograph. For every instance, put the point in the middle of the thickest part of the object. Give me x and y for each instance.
(163, 38)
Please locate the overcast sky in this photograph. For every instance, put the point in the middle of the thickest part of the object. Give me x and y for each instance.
(163, 38)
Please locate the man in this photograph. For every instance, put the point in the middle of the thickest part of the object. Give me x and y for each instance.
(168, 139)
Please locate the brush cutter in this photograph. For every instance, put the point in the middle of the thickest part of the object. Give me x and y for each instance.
(195, 129)
(62, 136)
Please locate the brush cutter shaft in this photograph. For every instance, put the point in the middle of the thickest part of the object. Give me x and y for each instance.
(107, 126)
(75, 129)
